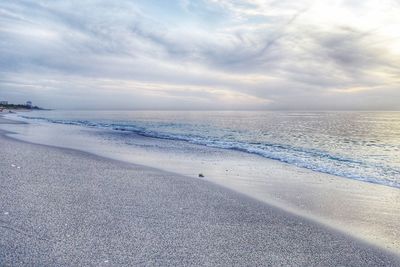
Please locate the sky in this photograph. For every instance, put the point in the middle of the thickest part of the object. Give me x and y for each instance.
(204, 54)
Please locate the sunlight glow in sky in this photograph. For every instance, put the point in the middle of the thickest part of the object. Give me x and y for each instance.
(205, 54)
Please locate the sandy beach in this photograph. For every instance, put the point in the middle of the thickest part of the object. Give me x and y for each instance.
(200, 133)
(63, 207)
(363, 210)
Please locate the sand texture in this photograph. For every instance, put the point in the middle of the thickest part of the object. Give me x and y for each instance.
(62, 207)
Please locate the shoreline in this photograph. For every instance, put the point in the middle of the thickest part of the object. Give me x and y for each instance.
(199, 218)
(363, 210)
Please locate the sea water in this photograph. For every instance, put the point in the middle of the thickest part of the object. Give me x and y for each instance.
(357, 145)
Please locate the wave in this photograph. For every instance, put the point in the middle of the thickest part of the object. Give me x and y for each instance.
(313, 159)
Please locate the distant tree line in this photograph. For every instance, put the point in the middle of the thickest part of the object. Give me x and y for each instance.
(18, 106)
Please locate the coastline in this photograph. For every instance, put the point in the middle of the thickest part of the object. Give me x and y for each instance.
(76, 208)
(364, 210)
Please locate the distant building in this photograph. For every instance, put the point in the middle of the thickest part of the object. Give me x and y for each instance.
(29, 103)
(3, 102)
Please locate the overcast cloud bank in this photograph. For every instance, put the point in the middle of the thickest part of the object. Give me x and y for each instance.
(206, 54)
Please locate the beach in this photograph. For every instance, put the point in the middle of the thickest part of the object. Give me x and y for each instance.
(365, 210)
(200, 133)
(62, 207)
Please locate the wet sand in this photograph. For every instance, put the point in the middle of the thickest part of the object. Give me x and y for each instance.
(61, 207)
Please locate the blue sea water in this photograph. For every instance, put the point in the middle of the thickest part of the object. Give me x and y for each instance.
(357, 145)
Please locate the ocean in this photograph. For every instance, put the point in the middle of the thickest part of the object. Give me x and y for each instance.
(357, 145)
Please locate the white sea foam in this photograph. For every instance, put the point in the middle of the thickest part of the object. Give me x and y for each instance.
(355, 154)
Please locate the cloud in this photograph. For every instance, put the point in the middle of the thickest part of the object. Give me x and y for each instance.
(206, 54)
